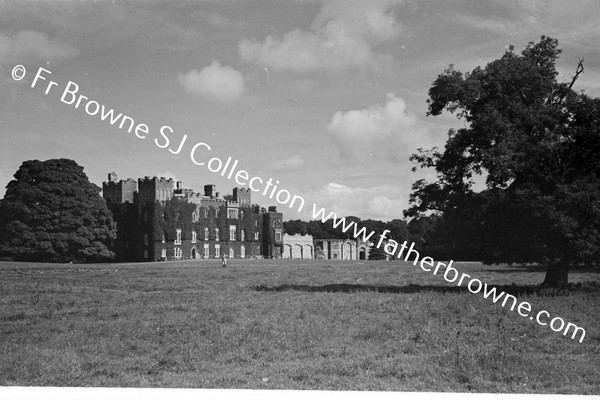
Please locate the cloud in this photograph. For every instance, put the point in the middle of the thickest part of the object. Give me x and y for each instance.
(496, 25)
(341, 37)
(167, 174)
(27, 46)
(384, 202)
(557, 18)
(287, 164)
(387, 130)
(221, 83)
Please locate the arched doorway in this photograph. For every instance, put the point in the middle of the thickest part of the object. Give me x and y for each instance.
(307, 251)
(287, 251)
(193, 255)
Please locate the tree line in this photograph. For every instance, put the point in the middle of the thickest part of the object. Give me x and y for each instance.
(533, 138)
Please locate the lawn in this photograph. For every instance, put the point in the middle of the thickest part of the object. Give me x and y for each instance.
(290, 324)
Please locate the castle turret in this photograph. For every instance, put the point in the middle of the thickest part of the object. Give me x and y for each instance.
(242, 196)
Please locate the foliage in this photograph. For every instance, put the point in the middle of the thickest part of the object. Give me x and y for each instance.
(376, 253)
(536, 140)
(324, 230)
(51, 212)
(178, 213)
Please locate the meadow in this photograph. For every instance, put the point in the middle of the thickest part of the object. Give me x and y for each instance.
(290, 324)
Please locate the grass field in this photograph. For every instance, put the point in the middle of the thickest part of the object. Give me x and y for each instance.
(326, 325)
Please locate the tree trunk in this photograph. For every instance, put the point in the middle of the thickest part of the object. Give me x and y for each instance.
(557, 275)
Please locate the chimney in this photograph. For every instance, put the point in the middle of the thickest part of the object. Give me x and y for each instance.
(209, 190)
(179, 185)
(112, 177)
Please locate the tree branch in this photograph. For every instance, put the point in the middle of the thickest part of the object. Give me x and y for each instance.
(578, 72)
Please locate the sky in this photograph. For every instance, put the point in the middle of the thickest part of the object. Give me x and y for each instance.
(328, 98)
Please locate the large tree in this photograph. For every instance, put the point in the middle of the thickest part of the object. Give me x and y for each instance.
(51, 212)
(537, 142)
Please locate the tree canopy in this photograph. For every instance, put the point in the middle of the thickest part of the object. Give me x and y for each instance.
(52, 213)
(324, 230)
(537, 142)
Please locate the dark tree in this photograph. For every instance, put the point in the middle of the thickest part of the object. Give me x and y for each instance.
(537, 141)
(398, 230)
(424, 232)
(296, 226)
(376, 253)
(324, 230)
(52, 213)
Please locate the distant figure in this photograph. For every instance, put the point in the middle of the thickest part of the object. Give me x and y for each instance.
(223, 260)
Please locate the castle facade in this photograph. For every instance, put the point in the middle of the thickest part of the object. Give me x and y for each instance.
(159, 219)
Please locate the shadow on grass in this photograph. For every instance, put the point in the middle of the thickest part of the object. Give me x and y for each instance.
(535, 268)
(356, 288)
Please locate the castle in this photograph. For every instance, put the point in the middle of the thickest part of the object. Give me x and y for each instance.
(159, 219)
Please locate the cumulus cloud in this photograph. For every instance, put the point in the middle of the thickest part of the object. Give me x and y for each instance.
(27, 46)
(384, 202)
(382, 129)
(342, 36)
(221, 83)
(287, 164)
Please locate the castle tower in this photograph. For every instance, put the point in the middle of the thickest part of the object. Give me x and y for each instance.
(272, 233)
(155, 189)
(242, 197)
(118, 191)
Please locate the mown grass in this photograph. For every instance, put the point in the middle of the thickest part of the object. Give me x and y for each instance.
(290, 325)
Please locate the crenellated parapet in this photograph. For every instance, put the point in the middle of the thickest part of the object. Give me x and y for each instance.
(119, 191)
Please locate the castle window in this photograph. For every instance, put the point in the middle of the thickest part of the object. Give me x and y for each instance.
(178, 238)
(206, 251)
(163, 238)
(277, 236)
(216, 212)
(241, 214)
(232, 214)
(231, 252)
(177, 252)
(255, 235)
(145, 254)
(205, 233)
(243, 252)
(217, 250)
(194, 216)
(243, 235)
(205, 212)
(145, 240)
(217, 234)
(194, 237)
(163, 253)
(232, 232)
